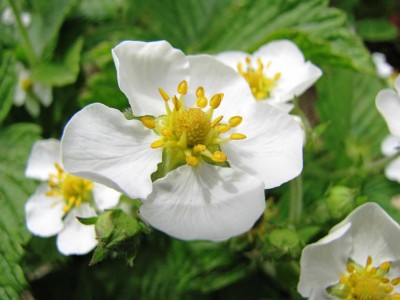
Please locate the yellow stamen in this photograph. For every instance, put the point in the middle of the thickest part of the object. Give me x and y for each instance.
(200, 92)
(177, 104)
(192, 161)
(216, 100)
(222, 128)
(157, 144)
(183, 87)
(199, 148)
(235, 121)
(201, 102)
(166, 132)
(216, 121)
(163, 94)
(148, 122)
(219, 156)
(237, 136)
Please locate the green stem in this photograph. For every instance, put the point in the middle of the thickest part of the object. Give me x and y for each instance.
(28, 45)
(296, 200)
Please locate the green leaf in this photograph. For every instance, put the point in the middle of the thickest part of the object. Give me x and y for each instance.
(63, 72)
(47, 18)
(347, 101)
(376, 30)
(202, 26)
(15, 145)
(7, 84)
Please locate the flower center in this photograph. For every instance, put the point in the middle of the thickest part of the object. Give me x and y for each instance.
(25, 83)
(74, 190)
(260, 85)
(192, 131)
(365, 283)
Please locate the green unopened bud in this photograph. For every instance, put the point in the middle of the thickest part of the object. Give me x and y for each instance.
(340, 201)
(284, 243)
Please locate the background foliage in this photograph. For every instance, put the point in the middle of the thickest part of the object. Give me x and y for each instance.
(67, 46)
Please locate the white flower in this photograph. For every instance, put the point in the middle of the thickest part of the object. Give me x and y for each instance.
(7, 17)
(201, 196)
(358, 259)
(62, 197)
(31, 93)
(276, 72)
(383, 69)
(388, 104)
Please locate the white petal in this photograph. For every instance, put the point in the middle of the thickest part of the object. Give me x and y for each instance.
(392, 170)
(215, 77)
(388, 104)
(383, 69)
(26, 19)
(323, 262)
(142, 68)
(19, 96)
(100, 144)
(272, 150)
(390, 145)
(7, 17)
(44, 214)
(44, 93)
(32, 106)
(232, 58)
(297, 75)
(204, 203)
(41, 162)
(77, 238)
(374, 233)
(105, 197)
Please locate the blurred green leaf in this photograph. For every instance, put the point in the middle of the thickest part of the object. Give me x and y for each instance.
(60, 73)
(47, 18)
(202, 26)
(347, 101)
(15, 145)
(7, 84)
(376, 30)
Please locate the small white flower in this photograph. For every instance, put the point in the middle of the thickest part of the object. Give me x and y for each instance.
(31, 93)
(62, 197)
(388, 104)
(276, 72)
(218, 169)
(358, 259)
(383, 69)
(7, 17)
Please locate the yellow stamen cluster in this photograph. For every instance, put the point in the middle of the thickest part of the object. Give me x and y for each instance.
(260, 85)
(74, 190)
(25, 83)
(192, 131)
(366, 283)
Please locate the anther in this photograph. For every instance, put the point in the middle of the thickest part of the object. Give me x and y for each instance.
(216, 100)
(157, 144)
(177, 104)
(395, 281)
(237, 136)
(199, 148)
(163, 94)
(222, 128)
(201, 102)
(219, 156)
(148, 122)
(385, 266)
(350, 268)
(200, 92)
(192, 161)
(235, 121)
(277, 76)
(216, 121)
(166, 132)
(388, 289)
(183, 87)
